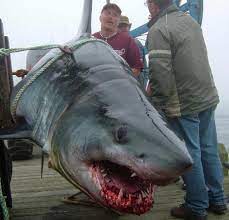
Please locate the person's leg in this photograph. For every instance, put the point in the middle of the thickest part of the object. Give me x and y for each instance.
(196, 197)
(5, 173)
(210, 157)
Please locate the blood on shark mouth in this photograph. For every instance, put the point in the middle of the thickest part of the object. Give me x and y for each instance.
(121, 189)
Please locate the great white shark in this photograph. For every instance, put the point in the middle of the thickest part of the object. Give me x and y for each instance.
(85, 109)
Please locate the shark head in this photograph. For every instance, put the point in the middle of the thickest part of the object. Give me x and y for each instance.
(111, 142)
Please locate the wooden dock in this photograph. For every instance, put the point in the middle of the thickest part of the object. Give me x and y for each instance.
(41, 199)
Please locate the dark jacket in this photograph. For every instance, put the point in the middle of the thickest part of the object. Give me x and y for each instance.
(179, 72)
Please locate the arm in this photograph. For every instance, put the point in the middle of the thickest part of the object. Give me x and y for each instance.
(20, 73)
(160, 65)
(134, 57)
(136, 72)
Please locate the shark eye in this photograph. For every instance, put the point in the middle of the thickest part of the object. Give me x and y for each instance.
(120, 134)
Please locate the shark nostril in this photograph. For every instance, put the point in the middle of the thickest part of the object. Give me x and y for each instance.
(120, 134)
(141, 156)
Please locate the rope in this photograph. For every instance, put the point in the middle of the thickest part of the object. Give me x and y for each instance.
(30, 81)
(41, 70)
(3, 204)
(6, 52)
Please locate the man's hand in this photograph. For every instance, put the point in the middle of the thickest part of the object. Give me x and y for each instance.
(136, 72)
(20, 73)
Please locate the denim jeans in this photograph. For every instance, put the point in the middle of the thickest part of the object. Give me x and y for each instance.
(204, 182)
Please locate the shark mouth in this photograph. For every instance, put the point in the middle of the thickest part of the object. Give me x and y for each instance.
(121, 189)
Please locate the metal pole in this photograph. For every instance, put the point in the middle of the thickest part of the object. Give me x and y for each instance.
(5, 116)
(9, 64)
(196, 9)
(5, 122)
(108, 1)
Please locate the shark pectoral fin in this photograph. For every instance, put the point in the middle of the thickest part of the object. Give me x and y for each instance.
(19, 131)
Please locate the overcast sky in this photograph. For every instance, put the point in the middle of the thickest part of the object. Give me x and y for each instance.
(38, 22)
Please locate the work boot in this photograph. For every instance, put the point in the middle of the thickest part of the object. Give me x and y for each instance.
(218, 209)
(185, 213)
(226, 165)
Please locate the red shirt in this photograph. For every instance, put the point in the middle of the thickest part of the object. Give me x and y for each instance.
(125, 46)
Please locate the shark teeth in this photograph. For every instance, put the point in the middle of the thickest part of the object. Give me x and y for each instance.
(102, 170)
(103, 173)
(120, 195)
(133, 175)
(139, 199)
(144, 194)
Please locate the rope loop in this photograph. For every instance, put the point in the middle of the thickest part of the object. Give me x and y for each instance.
(7, 52)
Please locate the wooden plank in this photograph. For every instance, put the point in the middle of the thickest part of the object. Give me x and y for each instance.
(38, 199)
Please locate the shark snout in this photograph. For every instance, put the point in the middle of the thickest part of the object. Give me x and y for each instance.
(159, 169)
(162, 166)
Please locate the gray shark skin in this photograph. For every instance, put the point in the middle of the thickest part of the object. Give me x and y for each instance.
(88, 112)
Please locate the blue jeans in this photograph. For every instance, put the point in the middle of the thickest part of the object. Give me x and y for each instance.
(204, 182)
